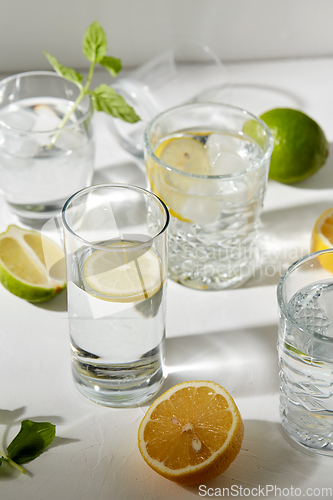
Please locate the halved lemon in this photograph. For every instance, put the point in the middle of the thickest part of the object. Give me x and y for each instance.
(322, 234)
(192, 433)
(322, 238)
(123, 274)
(26, 258)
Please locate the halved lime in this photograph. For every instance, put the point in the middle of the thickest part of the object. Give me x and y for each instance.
(25, 260)
(127, 275)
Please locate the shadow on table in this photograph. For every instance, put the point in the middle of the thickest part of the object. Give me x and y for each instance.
(128, 173)
(57, 304)
(245, 362)
(264, 443)
(284, 238)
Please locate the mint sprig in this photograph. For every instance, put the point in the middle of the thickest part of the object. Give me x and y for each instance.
(29, 443)
(104, 98)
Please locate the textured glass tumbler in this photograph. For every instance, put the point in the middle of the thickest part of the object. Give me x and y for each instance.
(305, 347)
(116, 259)
(209, 163)
(42, 159)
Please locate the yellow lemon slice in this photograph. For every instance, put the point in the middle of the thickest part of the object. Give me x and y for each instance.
(184, 153)
(128, 275)
(187, 155)
(192, 433)
(26, 259)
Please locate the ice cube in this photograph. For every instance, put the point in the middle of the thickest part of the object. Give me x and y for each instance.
(45, 118)
(20, 146)
(17, 117)
(70, 140)
(223, 152)
(202, 209)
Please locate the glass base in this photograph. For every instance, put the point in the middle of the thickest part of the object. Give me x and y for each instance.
(308, 431)
(30, 214)
(209, 282)
(115, 392)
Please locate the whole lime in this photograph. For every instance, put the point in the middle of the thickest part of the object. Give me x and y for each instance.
(300, 145)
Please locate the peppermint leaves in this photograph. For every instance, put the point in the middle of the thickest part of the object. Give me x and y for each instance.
(103, 97)
(29, 443)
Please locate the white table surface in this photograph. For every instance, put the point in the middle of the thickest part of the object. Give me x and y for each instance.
(229, 337)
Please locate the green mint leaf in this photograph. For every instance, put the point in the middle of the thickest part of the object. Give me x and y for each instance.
(0, 461)
(94, 43)
(112, 64)
(106, 99)
(31, 441)
(68, 73)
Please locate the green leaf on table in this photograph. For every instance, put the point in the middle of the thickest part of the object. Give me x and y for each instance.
(112, 64)
(31, 441)
(95, 43)
(106, 99)
(68, 73)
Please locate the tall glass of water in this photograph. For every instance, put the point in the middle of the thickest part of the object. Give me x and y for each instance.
(209, 163)
(116, 254)
(43, 160)
(305, 346)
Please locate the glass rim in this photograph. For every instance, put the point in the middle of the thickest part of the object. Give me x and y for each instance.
(26, 74)
(281, 302)
(145, 192)
(236, 175)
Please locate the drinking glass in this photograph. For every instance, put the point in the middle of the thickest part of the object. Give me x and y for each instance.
(305, 347)
(183, 73)
(41, 165)
(209, 163)
(116, 255)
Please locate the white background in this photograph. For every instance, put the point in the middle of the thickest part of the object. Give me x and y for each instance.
(238, 30)
(277, 54)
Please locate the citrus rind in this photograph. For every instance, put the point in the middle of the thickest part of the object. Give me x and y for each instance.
(300, 145)
(123, 276)
(10, 278)
(219, 460)
(322, 238)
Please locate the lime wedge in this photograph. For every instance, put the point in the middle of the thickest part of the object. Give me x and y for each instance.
(123, 276)
(25, 260)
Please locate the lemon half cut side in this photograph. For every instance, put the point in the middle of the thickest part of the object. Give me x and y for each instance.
(192, 433)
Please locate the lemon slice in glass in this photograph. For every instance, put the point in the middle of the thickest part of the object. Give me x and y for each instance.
(123, 276)
(184, 153)
(188, 156)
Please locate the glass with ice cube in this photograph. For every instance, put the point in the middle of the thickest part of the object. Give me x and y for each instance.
(305, 347)
(116, 253)
(40, 167)
(209, 163)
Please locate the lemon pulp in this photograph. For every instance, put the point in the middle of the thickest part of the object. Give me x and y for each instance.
(123, 275)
